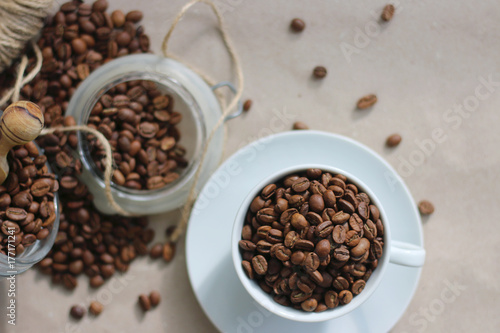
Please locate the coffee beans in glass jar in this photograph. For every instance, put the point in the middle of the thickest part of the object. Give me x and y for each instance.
(27, 208)
(312, 240)
(140, 123)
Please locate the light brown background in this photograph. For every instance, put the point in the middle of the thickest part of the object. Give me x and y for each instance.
(425, 61)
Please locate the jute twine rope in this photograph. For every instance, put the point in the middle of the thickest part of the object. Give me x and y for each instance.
(181, 227)
(13, 95)
(20, 21)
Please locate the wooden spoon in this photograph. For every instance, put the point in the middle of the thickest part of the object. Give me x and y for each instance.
(20, 123)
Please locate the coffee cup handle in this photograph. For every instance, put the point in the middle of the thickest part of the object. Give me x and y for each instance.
(406, 254)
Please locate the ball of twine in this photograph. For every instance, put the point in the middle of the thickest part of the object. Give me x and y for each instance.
(20, 21)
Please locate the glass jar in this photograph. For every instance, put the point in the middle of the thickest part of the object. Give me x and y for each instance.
(200, 110)
(34, 253)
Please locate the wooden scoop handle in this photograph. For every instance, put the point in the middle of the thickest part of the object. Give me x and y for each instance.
(21, 123)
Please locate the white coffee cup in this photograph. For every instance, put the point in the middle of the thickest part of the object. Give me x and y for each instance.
(395, 252)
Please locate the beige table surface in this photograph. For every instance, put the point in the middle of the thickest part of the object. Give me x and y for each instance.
(429, 59)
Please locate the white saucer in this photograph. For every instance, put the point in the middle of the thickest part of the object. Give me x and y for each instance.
(208, 248)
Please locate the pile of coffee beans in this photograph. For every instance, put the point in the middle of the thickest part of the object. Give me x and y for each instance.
(141, 125)
(27, 210)
(312, 240)
(75, 41)
(87, 242)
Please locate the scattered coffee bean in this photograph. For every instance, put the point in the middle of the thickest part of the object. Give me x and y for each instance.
(319, 253)
(367, 101)
(319, 72)
(300, 126)
(77, 311)
(388, 12)
(144, 302)
(297, 25)
(425, 207)
(156, 251)
(393, 140)
(154, 298)
(247, 105)
(96, 308)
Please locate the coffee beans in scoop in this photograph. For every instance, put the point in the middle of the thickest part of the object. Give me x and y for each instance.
(27, 210)
(141, 125)
(312, 240)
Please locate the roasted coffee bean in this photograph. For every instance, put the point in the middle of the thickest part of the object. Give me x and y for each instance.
(356, 223)
(393, 140)
(263, 246)
(298, 296)
(363, 211)
(324, 229)
(359, 251)
(297, 25)
(263, 231)
(311, 262)
(247, 267)
(345, 297)
(346, 206)
(268, 191)
(317, 203)
(305, 245)
(298, 258)
(309, 305)
(358, 287)
(341, 254)
(388, 12)
(340, 217)
(144, 302)
(154, 298)
(370, 230)
(319, 72)
(247, 105)
(339, 234)
(267, 215)
(274, 236)
(298, 221)
(377, 248)
(259, 264)
(77, 312)
(352, 238)
(41, 187)
(286, 216)
(301, 184)
(283, 253)
(291, 238)
(366, 101)
(323, 248)
(425, 207)
(281, 205)
(96, 281)
(331, 299)
(96, 308)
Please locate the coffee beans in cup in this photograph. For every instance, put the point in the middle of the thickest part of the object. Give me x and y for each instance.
(312, 240)
(141, 125)
(27, 210)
